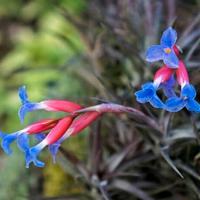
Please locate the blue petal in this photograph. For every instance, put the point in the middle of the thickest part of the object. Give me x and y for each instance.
(188, 91)
(168, 87)
(171, 82)
(27, 107)
(23, 94)
(31, 156)
(154, 53)
(156, 102)
(170, 59)
(146, 93)
(53, 148)
(142, 96)
(23, 142)
(40, 136)
(174, 104)
(193, 105)
(168, 38)
(7, 140)
(169, 92)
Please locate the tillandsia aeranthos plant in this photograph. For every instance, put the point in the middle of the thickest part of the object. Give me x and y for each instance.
(60, 129)
(52, 132)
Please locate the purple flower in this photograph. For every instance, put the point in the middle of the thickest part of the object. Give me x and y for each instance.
(165, 50)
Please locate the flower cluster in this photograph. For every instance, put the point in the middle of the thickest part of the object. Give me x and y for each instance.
(52, 132)
(49, 132)
(172, 73)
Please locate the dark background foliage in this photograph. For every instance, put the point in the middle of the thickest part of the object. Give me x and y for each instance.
(90, 52)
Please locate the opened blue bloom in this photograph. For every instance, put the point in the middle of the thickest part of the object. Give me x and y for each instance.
(187, 100)
(148, 94)
(53, 148)
(48, 105)
(23, 144)
(164, 51)
(163, 79)
(7, 140)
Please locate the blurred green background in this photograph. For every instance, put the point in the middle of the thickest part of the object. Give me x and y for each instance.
(39, 48)
(77, 50)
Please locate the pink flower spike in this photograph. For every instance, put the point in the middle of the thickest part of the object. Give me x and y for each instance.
(41, 126)
(61, 105)
(49, 105)
(163, 74)
(54, 135)
(182, 74)
(80, 123)
(57, 132)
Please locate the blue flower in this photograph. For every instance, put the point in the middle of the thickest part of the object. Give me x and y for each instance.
(164, 51)
(31, 156)
(27, 106)
(53, 148)
(32, 153)
(48, 105)
(23, 144)
(7, 140)
(189, 93)
(187, 100)
(175, 104)
(148, 94)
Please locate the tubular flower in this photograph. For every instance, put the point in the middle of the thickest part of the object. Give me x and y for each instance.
(148, 92)
(79, 124)
(165, 50)
(51, 138)
(187, 95)
(48, 105)
(37, 127)
(65, 127)
(59, 129)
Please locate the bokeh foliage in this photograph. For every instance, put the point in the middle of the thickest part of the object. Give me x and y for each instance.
(36, 49)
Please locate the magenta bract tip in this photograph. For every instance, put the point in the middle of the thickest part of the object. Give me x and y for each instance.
(83, 121)
(59, 130)
(41, 125)
(182, 74)
(61, 105)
